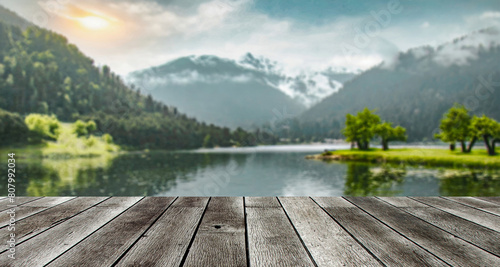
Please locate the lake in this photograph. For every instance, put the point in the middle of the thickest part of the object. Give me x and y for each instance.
(260, 171)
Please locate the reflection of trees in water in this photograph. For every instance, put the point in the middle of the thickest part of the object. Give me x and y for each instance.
(57, 177)
(124, 175)
(469, 183)
(152, 173)
(362, 180)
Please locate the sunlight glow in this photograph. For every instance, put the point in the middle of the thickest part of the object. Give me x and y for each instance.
(94, 23)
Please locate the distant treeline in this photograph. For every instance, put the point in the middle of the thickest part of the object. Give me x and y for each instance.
(40, 72)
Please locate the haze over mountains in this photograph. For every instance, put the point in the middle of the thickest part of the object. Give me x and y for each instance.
(413, 90)
(12, 18)
(418, 87)
(236, 93)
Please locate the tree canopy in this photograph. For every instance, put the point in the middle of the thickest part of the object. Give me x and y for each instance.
(488, 129)
(387, 133)
(13, 130)
(455, 127)
(40, 72)
(42, 127)
(458, 126)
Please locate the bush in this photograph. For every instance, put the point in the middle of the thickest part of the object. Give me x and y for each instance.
(13, 130)
(81, 128)
(42, 127)
(90, 141)
(107, 138)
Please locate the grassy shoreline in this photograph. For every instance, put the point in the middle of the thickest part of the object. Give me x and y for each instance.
(415, 156)
(68, 145)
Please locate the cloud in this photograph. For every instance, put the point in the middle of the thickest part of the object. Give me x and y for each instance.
(149, 33)
(490, 15)
(192, 77)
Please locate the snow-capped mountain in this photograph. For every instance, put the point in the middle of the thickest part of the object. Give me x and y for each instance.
(209, 88)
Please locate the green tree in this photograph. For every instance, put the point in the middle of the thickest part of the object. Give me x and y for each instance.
(455, 127)
(387, 133)
(488, 129)
(360, 129)
(42, 127)
(207, 141)
(81, 128)
(13, 129)
(107, 138)
(91, 127)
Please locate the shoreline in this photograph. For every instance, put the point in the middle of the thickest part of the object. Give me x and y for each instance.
(431, 157)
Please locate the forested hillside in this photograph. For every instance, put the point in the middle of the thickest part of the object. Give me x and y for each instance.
(40, 72)
(12, 18)
(417, 88)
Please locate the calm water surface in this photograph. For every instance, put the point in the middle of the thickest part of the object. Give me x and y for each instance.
(262, 171)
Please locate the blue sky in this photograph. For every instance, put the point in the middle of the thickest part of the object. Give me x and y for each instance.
(301, 34)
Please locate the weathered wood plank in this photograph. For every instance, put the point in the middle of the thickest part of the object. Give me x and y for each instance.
(166, 242)
(220, 240)
(32, 207)
(272, 241)
(6, 204)
(261, 202)
(480, 217)
(45, 247)
(476, 234)
(477, 203)
(33, 225)
(387, 245)
(495, 200)
(328, 243)
(447, 247)
(106, 245)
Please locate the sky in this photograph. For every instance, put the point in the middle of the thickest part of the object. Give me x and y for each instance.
(302, 35)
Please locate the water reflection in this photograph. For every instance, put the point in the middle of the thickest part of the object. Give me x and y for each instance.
(364, 180)
(237, 174)
(469, 183)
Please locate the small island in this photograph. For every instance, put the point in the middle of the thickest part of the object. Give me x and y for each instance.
(456, 126)
(435, 157)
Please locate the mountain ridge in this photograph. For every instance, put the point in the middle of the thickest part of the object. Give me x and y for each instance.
(261, 81)
(419, 86)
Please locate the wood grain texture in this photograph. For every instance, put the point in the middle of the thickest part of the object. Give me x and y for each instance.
(328, 243)
(220, 240)
(33, 225)
(272, 241)
(105, 246)
(166, 242)
(261, 202)
(48, 245)
(495, 200)
(387, 245)
(32, 207)
(476, 234)
(18, 201)
(477, 203)
(447, 247)
(478, 216)
(260, 231)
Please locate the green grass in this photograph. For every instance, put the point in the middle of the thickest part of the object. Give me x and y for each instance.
(68, 145)
(415, 156)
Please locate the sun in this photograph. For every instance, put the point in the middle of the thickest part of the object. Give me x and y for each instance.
(94, 23)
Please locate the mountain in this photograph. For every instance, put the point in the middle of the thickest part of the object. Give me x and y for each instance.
(234, 93)
(418, 87)
(41, 72)
(11, 18)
